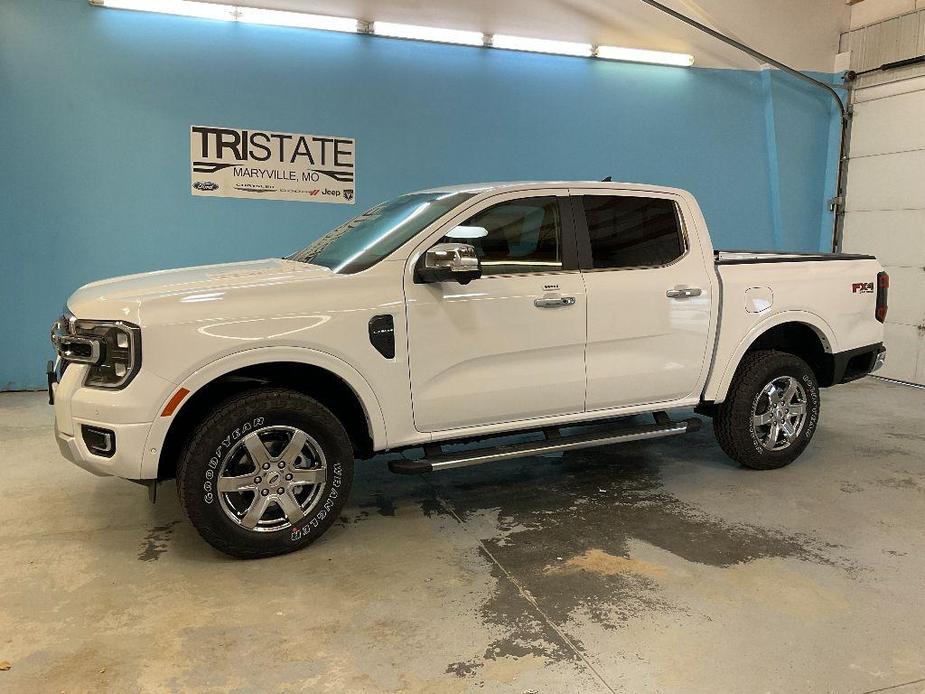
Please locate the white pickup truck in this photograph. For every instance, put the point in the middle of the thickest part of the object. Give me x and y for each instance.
(450, 315)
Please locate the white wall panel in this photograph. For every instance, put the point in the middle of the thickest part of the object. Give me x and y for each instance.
(880, 91)
(887, 182)
(907, 295)
(887, 125)
(903, 347)
(886, 210)
(896, 237)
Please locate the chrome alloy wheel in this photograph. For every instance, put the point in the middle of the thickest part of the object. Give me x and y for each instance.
(272, 478)
(779, 413)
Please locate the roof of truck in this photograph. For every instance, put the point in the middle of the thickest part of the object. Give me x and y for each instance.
(528, 185)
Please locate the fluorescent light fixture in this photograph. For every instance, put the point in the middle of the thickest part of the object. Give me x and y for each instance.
(258, 15)
(251, 15)
(421, 33)
(187, 8)
(638, 55)
(254, 15)
(521, 43)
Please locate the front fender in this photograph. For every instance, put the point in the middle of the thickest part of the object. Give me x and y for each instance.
(724, 367)
(253, 357)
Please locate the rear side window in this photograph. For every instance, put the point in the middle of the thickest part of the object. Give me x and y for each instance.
(629, 232)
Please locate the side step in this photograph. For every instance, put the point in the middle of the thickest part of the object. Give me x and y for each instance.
(603, 436)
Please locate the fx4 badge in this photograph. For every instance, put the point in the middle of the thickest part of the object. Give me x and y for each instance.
(862, 288)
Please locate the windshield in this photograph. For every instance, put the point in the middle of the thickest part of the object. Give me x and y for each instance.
(365, 240)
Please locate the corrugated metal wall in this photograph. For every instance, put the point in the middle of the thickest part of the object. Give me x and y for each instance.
(884, 42)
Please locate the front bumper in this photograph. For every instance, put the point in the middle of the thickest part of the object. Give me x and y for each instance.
(125, 462)
(123, 412)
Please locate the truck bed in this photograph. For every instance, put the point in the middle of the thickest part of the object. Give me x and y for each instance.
(760, 289)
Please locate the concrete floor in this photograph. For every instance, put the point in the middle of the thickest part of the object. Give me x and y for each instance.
(651, 567)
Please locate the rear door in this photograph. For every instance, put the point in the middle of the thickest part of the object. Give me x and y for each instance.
(649, 298)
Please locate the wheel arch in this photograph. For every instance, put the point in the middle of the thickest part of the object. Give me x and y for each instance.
(801, 333)
(330, 380)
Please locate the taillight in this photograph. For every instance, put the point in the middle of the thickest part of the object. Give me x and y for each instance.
(883, 288)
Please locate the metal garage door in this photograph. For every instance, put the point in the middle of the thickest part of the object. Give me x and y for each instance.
(885, 206)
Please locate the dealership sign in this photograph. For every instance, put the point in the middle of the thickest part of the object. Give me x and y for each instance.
(233, 163)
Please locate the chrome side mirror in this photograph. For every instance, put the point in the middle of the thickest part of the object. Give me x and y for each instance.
(450, 262)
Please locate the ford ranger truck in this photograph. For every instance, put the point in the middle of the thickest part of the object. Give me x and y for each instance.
(445, 316)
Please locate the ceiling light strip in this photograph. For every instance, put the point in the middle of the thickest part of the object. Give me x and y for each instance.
(186, 8)
(255, 15)
(303, 20)
(233, 13)
(422, 33)
(638, 55)
(522, 43)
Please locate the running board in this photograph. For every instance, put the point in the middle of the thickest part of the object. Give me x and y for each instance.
(552, 444)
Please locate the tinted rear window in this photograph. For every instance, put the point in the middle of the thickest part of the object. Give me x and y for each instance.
(629, 231)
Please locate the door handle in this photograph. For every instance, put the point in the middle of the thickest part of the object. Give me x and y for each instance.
(553, 301)
(683, 292)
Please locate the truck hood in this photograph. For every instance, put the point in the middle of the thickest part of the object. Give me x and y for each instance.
(122, 297)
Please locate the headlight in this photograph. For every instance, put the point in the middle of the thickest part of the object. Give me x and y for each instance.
(112, 349)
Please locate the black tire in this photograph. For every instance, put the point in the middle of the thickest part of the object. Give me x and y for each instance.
(216, 444)
(732, 422)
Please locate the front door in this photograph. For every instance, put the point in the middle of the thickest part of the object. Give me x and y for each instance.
(510, 345)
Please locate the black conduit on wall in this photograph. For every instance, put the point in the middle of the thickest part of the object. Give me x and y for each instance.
(837, 204)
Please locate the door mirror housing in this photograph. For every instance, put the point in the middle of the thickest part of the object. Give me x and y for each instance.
(449, 262)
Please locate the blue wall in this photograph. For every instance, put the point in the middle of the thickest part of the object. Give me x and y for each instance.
(95, 109)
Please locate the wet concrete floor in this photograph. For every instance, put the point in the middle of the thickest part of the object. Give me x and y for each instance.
(657, 566)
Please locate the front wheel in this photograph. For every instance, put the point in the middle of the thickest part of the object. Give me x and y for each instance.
(266, 473)
(771, 411)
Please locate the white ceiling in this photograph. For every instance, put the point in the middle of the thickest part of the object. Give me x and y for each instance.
(803, 33)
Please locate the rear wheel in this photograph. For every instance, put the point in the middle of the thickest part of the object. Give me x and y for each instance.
(266, 473)
(771, 412)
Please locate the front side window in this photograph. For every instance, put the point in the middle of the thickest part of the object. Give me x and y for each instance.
(628, 231)
(523, 236)
(365, 240)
